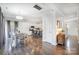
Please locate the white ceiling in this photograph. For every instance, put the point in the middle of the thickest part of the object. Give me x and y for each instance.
(28, 12)
(68, 9)
(18, 9)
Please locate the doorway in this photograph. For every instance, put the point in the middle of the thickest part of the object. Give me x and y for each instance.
(60, 33)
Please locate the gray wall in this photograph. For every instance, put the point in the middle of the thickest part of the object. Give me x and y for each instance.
(1, 29)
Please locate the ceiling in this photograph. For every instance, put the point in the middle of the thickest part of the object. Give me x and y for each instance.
(68, 9)
(18, 9)
(27, 11)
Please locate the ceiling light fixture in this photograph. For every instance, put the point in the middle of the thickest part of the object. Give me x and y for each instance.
(19, 17)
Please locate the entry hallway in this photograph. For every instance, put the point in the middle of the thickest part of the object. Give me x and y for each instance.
(39, 29)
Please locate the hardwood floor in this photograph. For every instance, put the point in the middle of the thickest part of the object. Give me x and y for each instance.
(35, 46)
(59, 50)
